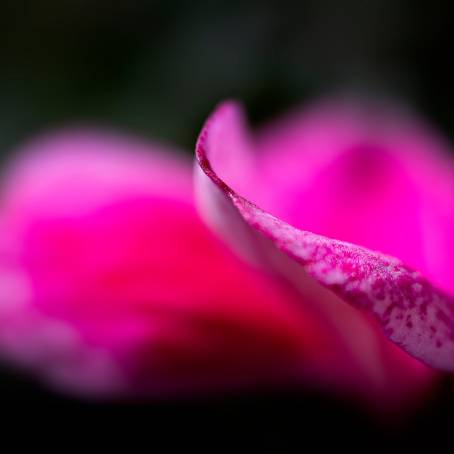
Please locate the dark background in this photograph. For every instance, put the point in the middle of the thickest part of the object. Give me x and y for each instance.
(157, 69)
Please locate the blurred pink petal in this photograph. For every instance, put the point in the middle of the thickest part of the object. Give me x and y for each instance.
(112, 285)
(358, 176)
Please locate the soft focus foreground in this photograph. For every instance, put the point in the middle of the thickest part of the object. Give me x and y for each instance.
(113, 286)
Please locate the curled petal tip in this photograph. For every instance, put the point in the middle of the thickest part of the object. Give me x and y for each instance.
(412, 312)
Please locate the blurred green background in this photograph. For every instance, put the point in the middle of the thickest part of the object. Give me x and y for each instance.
(158, 67)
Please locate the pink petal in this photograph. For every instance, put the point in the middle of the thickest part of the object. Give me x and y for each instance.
(411, 311)
(362, 174)
(111, 284)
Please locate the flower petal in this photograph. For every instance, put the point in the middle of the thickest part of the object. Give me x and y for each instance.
(111, 284)
(411, 311)
(362, 173)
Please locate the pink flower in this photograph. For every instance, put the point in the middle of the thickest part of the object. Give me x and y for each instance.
(112, 285)
(362, 179)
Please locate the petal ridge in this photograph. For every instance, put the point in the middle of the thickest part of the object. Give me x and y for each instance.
(410, 310)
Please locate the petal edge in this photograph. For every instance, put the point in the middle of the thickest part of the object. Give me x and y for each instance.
(411, 311)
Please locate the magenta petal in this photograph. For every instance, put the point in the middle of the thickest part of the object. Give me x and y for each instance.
(362, 173)
(111, 284)
(411, 311)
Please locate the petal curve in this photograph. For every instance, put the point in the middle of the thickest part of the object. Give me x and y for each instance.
(411, 311)
(365, 173)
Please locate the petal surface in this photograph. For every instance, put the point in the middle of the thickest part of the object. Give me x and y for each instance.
(111, 284)
(364, 174)
(410, 310)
